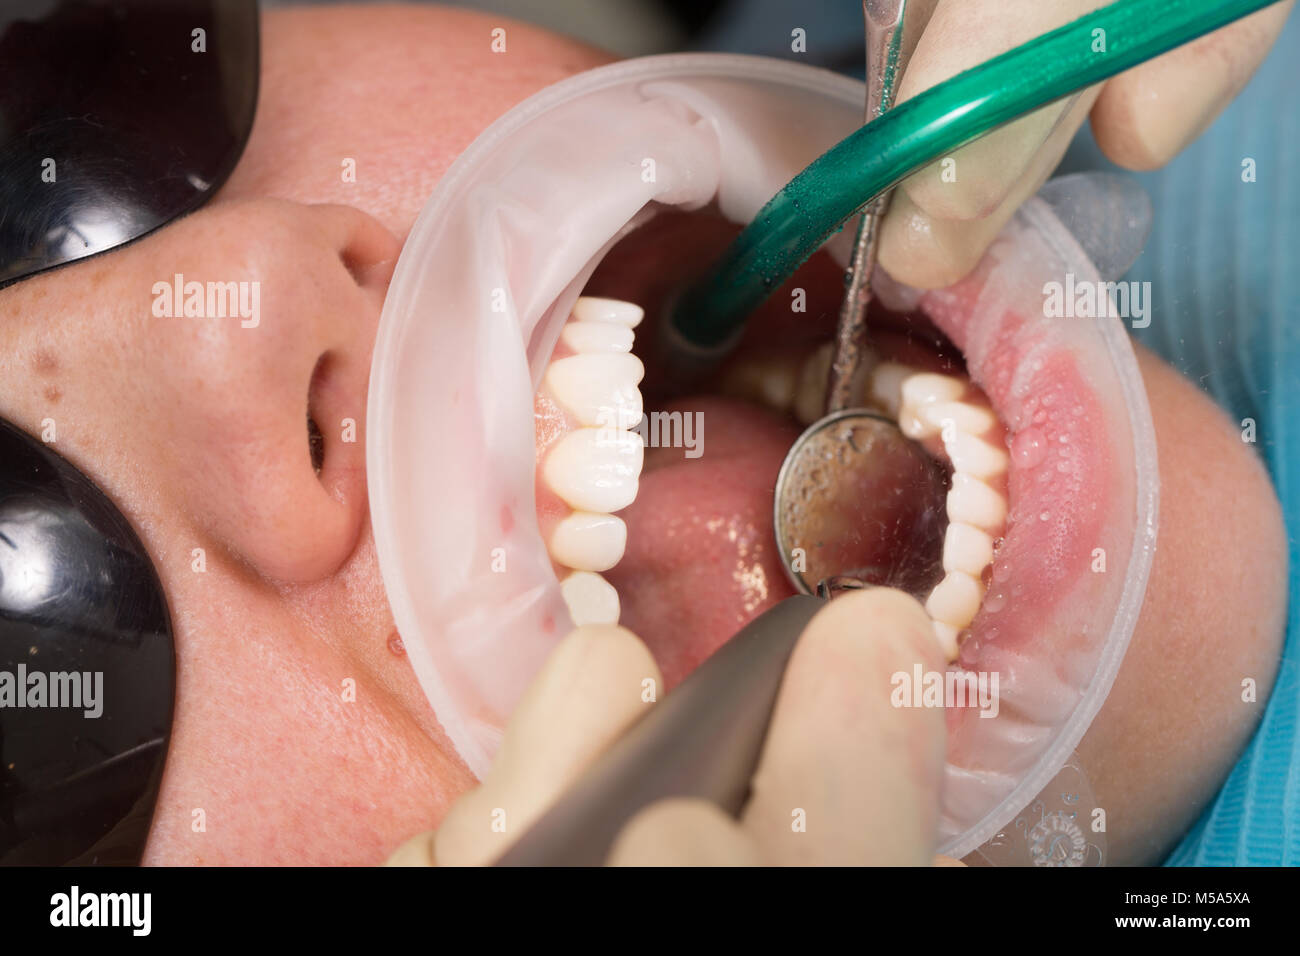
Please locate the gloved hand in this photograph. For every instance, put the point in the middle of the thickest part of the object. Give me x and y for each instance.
(943, 217)
(845, 777)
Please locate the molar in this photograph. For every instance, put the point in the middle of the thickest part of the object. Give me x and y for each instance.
(770, 380)
(810, 394)
(929, 405)
(921, 390)
(886, 388)
(947, 636)
(965, 416)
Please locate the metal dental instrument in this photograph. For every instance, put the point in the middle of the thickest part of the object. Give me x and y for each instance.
(884, 36)
(702, 740)
(851, 502)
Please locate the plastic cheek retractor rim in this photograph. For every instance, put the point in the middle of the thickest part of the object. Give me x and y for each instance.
(439, 341)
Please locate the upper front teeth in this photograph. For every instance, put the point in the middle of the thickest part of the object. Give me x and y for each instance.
(589, 541)
(594, 309)
(595, 468)
(598, 388)
(590, 598)
(596, 337)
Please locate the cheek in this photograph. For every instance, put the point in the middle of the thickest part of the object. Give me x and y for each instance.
(1214, 616)
(299, 734)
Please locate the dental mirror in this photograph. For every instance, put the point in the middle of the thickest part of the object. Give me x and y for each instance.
(858, 501)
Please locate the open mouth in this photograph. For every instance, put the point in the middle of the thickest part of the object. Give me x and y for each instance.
(675, 540)
(491, 389)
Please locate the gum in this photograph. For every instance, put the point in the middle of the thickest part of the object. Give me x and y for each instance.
(1069, 574)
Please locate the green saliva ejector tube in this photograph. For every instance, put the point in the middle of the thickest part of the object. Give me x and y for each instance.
(815, 204)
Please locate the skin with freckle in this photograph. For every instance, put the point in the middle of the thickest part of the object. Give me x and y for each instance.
(301, 731)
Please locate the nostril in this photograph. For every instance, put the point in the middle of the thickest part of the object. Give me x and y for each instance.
(315, 444)
(315, 437)
(365, 248)
(369, 252)
(366, 272)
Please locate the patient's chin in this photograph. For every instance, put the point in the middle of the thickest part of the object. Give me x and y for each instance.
(1206, 650)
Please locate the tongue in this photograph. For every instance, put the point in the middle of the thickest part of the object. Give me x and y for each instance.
(701, 560)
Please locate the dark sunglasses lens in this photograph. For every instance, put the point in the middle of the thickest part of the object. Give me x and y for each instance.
(115, 118)
(87, 672)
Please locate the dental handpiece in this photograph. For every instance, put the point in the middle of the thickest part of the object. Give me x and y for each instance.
(703, 740)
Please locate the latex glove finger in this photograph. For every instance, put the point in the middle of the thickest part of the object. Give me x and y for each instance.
(944, 216)
(586, 695)
(693, 833)
(953, 209)
(926, 251)
(963, 35)
(845, 777)
(1146, 115)
(683, 833)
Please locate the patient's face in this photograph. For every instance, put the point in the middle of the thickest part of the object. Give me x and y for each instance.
(198, 429)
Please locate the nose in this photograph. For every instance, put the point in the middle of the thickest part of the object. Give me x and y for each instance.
(276, 442)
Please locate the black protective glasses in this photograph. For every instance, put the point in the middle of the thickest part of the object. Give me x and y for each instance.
(115, 118)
